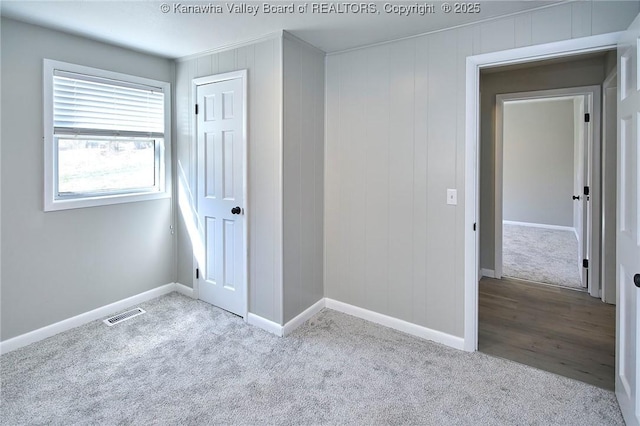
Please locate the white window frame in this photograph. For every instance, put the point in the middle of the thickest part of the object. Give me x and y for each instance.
(163, 154)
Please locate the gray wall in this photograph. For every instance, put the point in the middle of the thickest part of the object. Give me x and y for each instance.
(263, 61)
(395, 142)
(392, 151)
(57, 265)
(538, 147)
(303, 176)
(583, 72)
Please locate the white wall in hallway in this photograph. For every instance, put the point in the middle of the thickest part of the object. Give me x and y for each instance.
(538, 157)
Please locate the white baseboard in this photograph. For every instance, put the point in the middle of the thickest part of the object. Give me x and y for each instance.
(183, 289)
(387, 321)
(303, 317)
(265, 324)
(82, 319)
(397, 324)
(253, 319)
(284, 330)
(540, 225)
(489, 273)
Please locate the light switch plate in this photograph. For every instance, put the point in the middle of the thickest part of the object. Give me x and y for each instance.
(452, 196)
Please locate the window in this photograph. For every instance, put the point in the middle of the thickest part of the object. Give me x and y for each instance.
(107, 137)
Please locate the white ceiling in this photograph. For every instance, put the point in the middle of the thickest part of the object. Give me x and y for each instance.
(141, 25)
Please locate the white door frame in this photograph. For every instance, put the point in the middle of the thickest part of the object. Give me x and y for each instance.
(608, 220)
(472, 151)
(592, 93)
(197, 257)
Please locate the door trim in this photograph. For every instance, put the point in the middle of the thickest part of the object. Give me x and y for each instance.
(472, 152)
(608, 224)
(198, 255)
(592, 94)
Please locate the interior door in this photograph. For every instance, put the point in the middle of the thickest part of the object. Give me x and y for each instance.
(588, 206)
(583, 179)
(628, 234)
(220, 189)
(579, 203)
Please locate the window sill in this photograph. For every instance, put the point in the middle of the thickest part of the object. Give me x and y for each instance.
(105, 200)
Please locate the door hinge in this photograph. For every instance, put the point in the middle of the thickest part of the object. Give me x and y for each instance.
(474, 226)
(587, 118)
(196, 109)
(586, 190)
(197, 273)
(585, 263)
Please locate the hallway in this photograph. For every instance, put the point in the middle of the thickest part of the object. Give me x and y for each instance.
(566, 332)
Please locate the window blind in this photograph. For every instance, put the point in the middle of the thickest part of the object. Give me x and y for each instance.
(94, 106)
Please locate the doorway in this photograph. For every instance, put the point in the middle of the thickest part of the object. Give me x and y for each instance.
(546, 143)
(544, 169)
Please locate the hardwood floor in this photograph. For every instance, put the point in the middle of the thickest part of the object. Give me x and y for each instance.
(563, 331)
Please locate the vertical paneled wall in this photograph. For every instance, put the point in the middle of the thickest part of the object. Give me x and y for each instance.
(303, 176)
(263, 61)
(391, 155)
(395, 143)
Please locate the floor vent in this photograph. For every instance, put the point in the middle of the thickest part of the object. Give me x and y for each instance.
(123, 316)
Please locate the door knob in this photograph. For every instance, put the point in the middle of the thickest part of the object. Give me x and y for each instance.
(636, 280)
(576, 197)
(236, 210)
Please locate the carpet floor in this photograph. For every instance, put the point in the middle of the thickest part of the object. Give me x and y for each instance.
(187, 362)
(541, 255)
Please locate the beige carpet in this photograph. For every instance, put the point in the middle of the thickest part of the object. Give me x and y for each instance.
(186, 362)
(541, 255)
